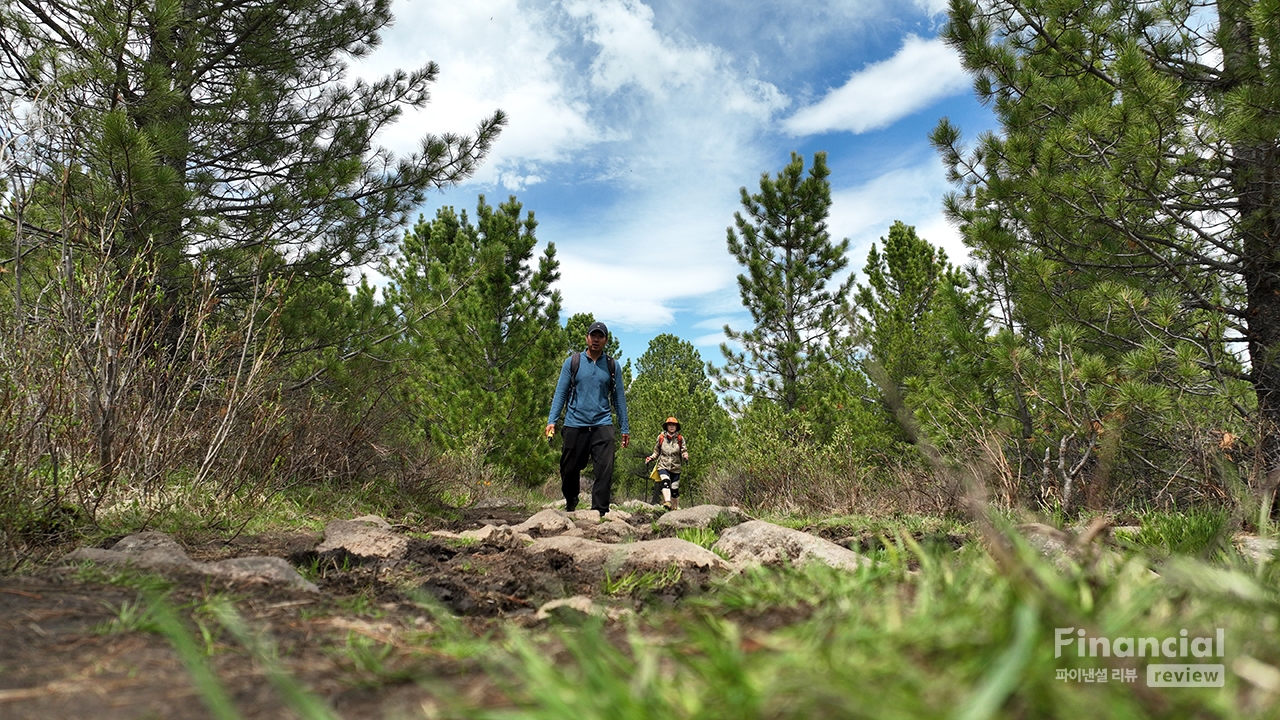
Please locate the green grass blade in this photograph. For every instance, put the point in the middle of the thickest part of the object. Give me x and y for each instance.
(1003, 678)
(205, 681)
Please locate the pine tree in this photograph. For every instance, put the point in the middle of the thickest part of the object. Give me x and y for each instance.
(912, 301)
(1123, 213)
(484, 331)
(783, 242)
(225, 133)
(671, 380)
(924, 332)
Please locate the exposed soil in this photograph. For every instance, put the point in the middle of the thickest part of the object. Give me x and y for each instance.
(356, 644)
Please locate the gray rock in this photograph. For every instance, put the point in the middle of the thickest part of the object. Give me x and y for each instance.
(1254, 547)
(147, 541)
(158, 551)
(585, 518)
(702, 516)
(151, 550)
(501, 535)
(363, 537)
(644, 555)
(269, 570)
(620, 515)
(374, 520)
(152, 560)
(584, 499)
(613, 531)
(638, 506)
(546, 522)
(760, 543)
(1053, 544)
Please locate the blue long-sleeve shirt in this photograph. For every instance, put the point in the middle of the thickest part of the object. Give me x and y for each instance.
(590, 404)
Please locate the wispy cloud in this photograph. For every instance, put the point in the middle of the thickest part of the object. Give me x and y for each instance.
(932, 8)
(912, 193)
(919, 74)
(493, 54)
(633, 124)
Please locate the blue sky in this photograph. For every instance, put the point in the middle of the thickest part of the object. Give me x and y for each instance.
(632, 126)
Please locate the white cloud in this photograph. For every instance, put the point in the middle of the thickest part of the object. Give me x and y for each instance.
(493, 54)
(658, 122)
(919, 74)
(912, 194)
(639, 265)
(932, 8)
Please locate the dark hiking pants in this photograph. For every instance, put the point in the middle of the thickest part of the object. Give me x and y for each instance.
(580, 444)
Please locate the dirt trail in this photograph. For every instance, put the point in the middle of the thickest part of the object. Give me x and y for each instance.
(355, 643)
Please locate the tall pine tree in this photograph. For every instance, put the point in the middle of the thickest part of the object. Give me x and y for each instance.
(483, 331)
(225, 133)
(671, 379)
(921, 320)
(1125, 213)
(790, 259)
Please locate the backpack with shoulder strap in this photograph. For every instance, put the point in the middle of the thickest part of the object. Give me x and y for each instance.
(657, 450)
(576, 360)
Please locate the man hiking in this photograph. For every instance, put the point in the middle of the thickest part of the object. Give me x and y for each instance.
(587, 388)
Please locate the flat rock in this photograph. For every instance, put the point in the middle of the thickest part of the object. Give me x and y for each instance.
(363, 537)
(1254, 547)
(702, 516)
(620, 515)
(158, 551)
(757, 542)
(495, 535)
(585, 518)
(638, 506)
(268, 570)
(613, 531)
(643, 555)
(546, 522)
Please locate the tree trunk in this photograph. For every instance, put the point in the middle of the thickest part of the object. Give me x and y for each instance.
(1254, 173)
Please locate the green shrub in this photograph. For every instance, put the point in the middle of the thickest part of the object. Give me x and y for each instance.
(1196, 531)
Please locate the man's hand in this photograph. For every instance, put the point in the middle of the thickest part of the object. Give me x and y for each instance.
(551, 430)
(686, 455)
(626, 440)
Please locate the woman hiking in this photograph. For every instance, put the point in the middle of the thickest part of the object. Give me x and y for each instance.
(670, 453)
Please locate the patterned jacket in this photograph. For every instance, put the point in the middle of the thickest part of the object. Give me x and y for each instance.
(669, 452)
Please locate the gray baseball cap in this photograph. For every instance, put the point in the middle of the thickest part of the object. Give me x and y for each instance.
(598, 326)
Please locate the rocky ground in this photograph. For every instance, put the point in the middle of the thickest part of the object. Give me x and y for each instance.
(351, 613)
(379, 621)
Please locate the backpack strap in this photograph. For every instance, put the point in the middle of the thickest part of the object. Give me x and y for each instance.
(574, 361)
